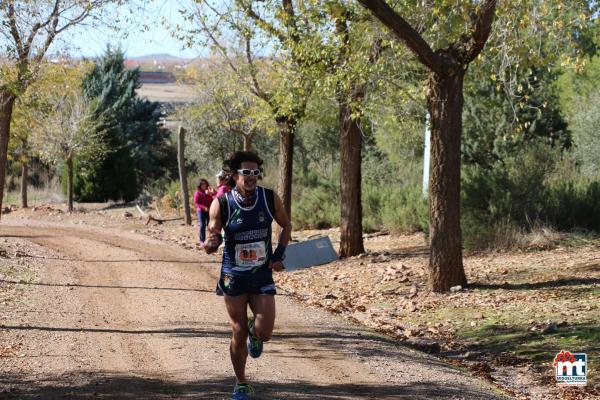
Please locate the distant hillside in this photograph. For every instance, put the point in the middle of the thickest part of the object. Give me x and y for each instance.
(158, 56)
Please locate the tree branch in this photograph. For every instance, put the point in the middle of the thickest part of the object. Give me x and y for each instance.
(481, 33)
(257, 90)
(405, 32)
(34, 30)
(74, 21)
(14, 31)
(341, 29)
(247, 8)
(290, 20)
(221, 48)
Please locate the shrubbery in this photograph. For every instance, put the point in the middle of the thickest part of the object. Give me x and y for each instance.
(528, 190)
(385, 206)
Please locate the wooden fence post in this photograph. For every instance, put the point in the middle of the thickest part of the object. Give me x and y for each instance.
(183, 176)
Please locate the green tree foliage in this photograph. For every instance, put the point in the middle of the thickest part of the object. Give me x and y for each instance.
(495, 124)
(580, 98)
(224, 105)
(131, 131)
(224, 117)
(516, 143)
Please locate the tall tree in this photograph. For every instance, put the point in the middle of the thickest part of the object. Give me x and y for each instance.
(34, 105)
(447, 68)
(460, 31)
(350, 91)
(19, 146)
(66, 131)
(28, 28)
(284, 88)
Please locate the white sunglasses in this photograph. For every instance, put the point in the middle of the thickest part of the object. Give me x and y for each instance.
(248, 172)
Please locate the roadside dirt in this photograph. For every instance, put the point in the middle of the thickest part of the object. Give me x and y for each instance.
(91, 311)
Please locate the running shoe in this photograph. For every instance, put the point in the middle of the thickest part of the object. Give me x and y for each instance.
(242, 391)
(255, 345)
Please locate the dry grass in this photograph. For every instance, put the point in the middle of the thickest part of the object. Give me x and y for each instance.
(36, 196)
(510, 237)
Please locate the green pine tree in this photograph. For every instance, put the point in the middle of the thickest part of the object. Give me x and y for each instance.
(130, 130)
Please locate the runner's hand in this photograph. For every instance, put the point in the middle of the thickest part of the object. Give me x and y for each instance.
(276, 266)
(212, 243)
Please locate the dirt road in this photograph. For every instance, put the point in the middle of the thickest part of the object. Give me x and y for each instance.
(113, 314)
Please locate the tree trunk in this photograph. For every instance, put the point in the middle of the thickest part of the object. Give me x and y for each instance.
(445, 102)
(70, 183)
(183, 176)
(247, 142)
(351, 241)
(7, 101)
(24, 175)
(287, 128)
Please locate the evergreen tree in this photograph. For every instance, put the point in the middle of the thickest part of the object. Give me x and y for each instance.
(131, 132)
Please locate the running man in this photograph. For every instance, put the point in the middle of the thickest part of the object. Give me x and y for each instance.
(246, 214)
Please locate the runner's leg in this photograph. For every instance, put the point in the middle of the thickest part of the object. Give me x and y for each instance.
(263, 307)
(237, 310)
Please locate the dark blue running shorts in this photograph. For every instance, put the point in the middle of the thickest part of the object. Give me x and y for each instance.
(234, 285)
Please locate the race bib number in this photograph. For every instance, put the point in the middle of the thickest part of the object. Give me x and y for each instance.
(249, 255)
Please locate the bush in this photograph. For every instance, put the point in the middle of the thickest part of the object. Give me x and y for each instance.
(316, 207)
(372, 203)
(507, 235)
(401, 209)
(573, 204)
(172, 195)
(404, 209)
(159, 187)
(528, 190)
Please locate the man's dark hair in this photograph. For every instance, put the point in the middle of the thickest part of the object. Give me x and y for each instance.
(236, 159)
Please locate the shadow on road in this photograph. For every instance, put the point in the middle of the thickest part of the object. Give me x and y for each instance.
(107, 385)
(179, 332)
(414, 251)
(572, 281)
(26, 236)
(74, 285)
(148, 260)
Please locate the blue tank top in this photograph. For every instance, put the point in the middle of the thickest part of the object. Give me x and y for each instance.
(248, 237)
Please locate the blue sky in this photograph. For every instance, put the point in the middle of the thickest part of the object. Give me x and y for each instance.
(90, 41)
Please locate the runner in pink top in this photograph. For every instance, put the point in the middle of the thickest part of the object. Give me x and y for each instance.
(222, 184)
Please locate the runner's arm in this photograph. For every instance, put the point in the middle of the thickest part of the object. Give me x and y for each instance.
(284, 237)
(283, 220)
(214, 228)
